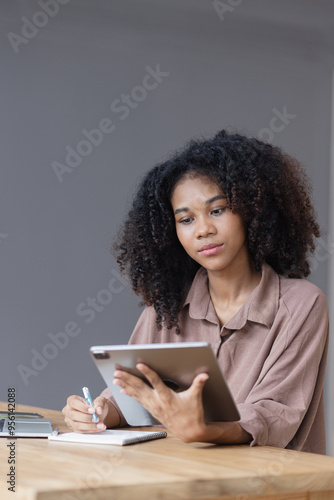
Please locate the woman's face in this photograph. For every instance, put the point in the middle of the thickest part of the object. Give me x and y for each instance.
(207, 229)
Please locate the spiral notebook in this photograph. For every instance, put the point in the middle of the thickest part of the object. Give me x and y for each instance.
(112, 436)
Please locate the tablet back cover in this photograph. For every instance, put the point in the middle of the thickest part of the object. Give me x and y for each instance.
(177, 364)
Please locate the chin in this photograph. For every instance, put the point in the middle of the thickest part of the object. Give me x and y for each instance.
(214, 268)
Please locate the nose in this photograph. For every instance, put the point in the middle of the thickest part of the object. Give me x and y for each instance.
(205, 228)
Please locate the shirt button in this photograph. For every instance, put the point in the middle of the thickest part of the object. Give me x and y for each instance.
(217, 345)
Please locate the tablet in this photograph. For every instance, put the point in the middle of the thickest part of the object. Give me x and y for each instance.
(25, 427)
(177, 364)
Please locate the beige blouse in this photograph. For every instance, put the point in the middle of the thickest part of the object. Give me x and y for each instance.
(272, 353)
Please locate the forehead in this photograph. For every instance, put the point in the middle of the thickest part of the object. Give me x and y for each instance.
(191, 189)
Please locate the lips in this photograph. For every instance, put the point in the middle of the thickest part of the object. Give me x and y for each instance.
(211, 249)
(211, 245)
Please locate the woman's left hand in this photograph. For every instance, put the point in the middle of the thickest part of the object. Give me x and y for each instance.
(181, 412)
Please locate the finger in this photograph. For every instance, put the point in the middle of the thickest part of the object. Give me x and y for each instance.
(100, 405)
(78, 410)
(197, 386)
(152, 377)
(77, 403)
(79, 421)
(123, 375)
(78, 416)
(134, 386)
(82, 427)
(125, 379)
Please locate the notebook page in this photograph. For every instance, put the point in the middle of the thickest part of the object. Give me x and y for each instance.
(109, 436)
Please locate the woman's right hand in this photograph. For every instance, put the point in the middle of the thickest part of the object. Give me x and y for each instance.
(78, 414)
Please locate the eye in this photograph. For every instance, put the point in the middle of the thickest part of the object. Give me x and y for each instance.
(218, 211)
(186, 221)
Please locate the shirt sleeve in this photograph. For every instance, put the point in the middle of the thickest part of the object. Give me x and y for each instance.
(142, 334)
(145, 329)
(107, 394)
(289, 390)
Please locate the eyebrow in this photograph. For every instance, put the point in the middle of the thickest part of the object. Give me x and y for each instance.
(211, 200)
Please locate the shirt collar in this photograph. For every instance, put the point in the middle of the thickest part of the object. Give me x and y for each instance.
(260, 307)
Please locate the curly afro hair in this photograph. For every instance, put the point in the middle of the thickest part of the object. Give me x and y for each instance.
(266, 187)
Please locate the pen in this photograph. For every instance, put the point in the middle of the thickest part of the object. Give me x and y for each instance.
(88, 398)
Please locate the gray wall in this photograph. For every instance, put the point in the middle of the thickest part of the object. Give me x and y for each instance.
(236, 70)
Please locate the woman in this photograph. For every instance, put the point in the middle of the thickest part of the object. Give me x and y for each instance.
(217, 244)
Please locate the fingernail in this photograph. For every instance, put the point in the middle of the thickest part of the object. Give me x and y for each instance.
(101, 426)
(91, 409)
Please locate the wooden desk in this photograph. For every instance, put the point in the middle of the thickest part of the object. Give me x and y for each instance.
(165, 469)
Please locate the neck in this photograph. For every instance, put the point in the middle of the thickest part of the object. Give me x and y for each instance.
(233, 286)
